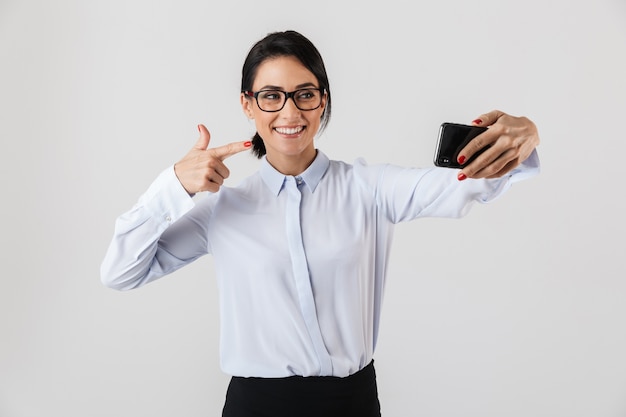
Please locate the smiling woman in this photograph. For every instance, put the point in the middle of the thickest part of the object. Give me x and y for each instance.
(287, 128)
(301, 247)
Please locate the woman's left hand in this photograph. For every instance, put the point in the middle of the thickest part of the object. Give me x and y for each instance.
(510, 139)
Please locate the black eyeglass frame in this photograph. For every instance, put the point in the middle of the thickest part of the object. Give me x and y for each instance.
(287, 96)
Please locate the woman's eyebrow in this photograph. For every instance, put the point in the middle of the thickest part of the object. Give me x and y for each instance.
(305, 85)
(275, 87)
(270, 87)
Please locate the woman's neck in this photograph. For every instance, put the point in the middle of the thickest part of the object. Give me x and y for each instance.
(291, 165)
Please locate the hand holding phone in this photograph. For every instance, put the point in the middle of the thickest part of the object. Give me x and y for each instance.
(453, 137)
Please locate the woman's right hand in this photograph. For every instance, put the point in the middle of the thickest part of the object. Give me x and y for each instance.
(203, 169)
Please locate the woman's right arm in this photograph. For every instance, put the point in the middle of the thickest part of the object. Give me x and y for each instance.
(159, 235)
(165, 230)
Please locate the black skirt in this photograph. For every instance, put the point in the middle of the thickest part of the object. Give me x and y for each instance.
(296, 396)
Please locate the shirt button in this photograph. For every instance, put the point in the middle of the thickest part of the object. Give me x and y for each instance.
(168, 219)
(298, 180)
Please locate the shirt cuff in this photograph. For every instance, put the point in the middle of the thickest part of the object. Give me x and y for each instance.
(527, 169)
(166, 198)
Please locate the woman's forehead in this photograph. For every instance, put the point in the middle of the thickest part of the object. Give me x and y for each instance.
(285, 72)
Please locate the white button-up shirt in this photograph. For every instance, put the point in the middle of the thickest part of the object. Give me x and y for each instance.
(300, 261)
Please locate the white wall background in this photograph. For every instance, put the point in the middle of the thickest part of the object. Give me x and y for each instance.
(517, 310)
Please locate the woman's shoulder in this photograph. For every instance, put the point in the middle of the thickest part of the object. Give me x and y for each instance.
(358, 167)
(250, 183)
(358, 172)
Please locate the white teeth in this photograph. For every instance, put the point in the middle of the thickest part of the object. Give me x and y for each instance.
(289, 130)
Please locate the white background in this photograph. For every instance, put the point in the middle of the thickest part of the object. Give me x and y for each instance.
(517, 310)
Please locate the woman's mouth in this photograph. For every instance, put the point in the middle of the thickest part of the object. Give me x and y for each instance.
(289, 130)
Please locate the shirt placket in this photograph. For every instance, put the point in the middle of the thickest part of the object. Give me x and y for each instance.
(301, 273)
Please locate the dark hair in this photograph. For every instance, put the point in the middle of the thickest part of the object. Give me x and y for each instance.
(277, 44)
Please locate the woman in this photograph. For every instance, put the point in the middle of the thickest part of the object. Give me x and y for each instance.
(301, 246)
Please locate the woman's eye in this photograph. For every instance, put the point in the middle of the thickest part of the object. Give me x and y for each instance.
(271, 95)
(305, 95)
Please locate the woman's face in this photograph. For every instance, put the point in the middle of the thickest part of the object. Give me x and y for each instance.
(288, 134)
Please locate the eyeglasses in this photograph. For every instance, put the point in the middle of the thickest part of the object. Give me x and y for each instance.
(305, 99)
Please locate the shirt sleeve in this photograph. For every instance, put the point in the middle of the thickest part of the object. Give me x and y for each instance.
(157, 236)
(404, 194)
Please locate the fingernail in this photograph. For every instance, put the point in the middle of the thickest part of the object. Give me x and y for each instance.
(461, 159)
(199, 129)
(247, 144)
(477, 121)
(461, 176)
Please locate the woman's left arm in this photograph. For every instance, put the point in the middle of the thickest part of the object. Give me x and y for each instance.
(511, 141)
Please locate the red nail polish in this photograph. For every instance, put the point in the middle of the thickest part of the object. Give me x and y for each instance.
(477, 121)
(247, 144)
(461, 159)
(461, 176)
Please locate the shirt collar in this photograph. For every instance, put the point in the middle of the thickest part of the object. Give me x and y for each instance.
(311, 176)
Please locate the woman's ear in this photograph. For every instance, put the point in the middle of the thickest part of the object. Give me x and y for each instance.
(323, 105)
(246, 106)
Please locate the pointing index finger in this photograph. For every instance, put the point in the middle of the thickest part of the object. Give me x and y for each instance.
(230, 149)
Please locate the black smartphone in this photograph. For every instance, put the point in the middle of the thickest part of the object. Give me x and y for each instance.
(452, 138)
